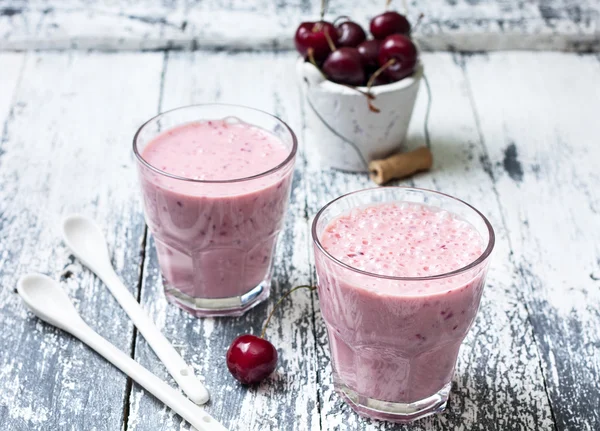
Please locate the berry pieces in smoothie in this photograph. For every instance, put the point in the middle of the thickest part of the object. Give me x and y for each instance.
(402, 240)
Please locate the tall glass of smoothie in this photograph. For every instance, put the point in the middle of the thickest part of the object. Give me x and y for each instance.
(216, 183)
(400, 276)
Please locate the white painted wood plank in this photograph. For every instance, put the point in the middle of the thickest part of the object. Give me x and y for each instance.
(470, 25)
(65, 148)
(539, 122)
(288, 399)
(18, 28)
(11, 66)
(498, 383)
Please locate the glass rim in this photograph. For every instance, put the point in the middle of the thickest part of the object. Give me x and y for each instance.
(484, 255)
(274, 169)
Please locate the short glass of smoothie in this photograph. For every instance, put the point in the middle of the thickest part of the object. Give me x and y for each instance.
(216, 182)
(400, 276)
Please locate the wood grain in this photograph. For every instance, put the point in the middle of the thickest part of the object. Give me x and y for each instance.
(65, 148)
(462, 25)
(287, 400)
(543, 157)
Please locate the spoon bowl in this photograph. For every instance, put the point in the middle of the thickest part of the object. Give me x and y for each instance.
(85, 239)
(48, 301)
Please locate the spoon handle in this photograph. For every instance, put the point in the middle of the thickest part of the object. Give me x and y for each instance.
(195, 415)
(181, 372)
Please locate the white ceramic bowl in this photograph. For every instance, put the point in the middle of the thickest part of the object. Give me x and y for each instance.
(340, 127)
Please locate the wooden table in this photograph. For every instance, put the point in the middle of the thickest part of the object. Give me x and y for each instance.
(513, 133)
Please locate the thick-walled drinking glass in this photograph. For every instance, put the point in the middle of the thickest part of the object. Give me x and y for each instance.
(394, 341)
(215, 239)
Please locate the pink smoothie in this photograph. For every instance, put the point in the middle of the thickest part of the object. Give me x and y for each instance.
(397, 340)
(215, 240)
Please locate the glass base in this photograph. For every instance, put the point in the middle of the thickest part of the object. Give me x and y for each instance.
(394, 412)
(213, 307)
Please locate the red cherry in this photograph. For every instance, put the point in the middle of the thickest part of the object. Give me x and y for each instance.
(369, 52)
(401, 49)
(381, 79)
(389, 23)
(350, 34)
(251, 359)
(344, 66)
(311, 35)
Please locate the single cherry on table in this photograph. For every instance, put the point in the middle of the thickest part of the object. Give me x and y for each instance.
(251, 359)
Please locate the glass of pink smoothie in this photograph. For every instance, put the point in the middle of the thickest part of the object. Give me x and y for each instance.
(216, 183)
(400, 275)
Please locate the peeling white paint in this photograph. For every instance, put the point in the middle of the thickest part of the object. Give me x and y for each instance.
(66, 129)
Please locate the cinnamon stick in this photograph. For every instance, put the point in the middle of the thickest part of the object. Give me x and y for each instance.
(400, 165)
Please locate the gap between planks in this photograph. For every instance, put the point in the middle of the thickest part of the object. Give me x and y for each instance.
(129, 387)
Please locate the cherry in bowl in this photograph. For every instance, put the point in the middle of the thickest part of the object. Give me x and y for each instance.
(389, 23)
(344, 66)
(350, 34)
(398, 54)
(315, 38)
(369, 52)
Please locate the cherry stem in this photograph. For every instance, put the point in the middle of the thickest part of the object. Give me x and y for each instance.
(304, 286)
(368, 95)
(311, 58)
(388, 3)
(379, 72)
(373, 108)
(323, 7)
(328, 39)
(419, 20)
(371, 81)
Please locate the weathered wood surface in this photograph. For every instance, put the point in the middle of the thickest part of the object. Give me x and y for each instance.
(519, 145)
(66, 147)
(463, 25)
(544, 158)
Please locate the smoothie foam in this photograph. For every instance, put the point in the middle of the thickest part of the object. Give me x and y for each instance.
(215, 150)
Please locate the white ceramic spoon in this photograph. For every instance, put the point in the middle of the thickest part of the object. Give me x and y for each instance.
(86, 241)
(51, 304)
